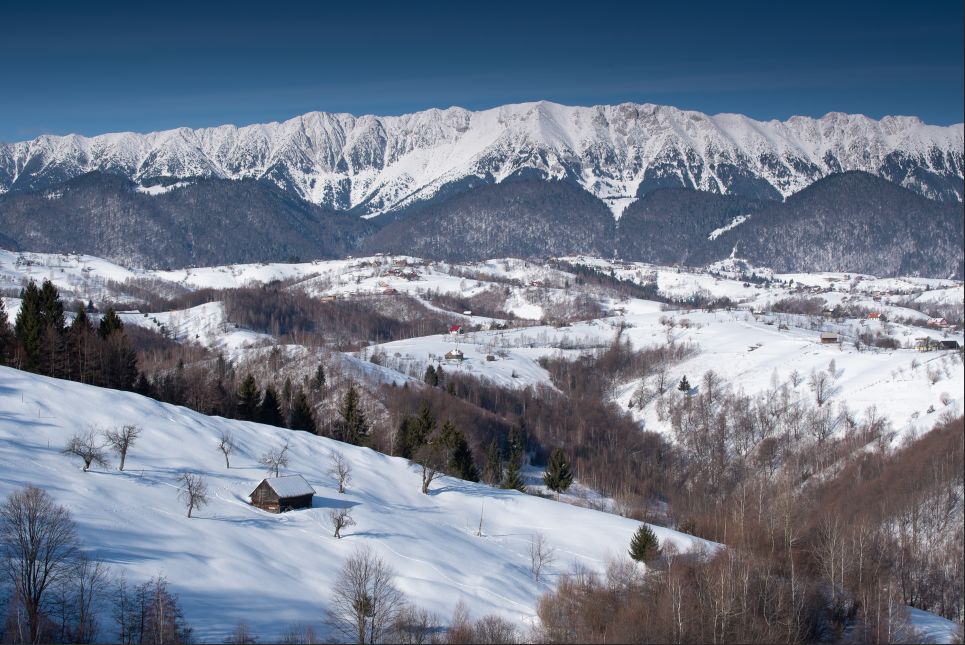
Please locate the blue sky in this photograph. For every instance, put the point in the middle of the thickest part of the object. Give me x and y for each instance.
(91, 67)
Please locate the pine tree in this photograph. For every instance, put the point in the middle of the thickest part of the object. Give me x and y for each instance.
(268, 410)
(110, 323)
(684, 385)
(461, 463)
(558, 475)
(513, 479)
(302, 417)
(6, 336)
(414, 430)
(248, 399)
(493, 473)
(51, 307)
(644, 545)
(287, 392)
(318, 381)
(29, 328)
(431, 376)
(352, 427)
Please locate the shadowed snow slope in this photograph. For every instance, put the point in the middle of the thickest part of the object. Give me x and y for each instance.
(230, 557)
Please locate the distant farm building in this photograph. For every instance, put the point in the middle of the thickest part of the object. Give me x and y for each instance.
(924, 344)
(874, 315)
(389, 291)
(455, 356)
(937, 322)
(829, 338)
(280, 494)
(455, 330)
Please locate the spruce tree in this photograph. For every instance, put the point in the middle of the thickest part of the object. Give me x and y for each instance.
(461, 463)
(110, 323)
(287, 391)
(302, 417)
(51, 307)
(29, 328)
(493, 473)
(558, 475)
(352, 427)
(269, 411)
(6, 336)
(431, 377)
(644, 545)
(513, 479)
(318, 381)
(684, 385)
(248, 399)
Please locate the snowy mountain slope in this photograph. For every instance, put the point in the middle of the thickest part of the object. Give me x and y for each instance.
(376, 164)
(215, 561)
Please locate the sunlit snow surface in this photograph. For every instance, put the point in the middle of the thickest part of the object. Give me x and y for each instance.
(231, 558)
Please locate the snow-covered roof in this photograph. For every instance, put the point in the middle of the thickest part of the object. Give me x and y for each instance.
(290, 486)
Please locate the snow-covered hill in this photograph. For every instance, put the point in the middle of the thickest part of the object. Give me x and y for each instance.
(617, 152)
(216, 560)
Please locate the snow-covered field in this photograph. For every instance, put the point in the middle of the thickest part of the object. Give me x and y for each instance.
(231, 556)
(754, 351)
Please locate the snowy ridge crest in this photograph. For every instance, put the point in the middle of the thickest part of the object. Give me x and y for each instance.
(374, 164)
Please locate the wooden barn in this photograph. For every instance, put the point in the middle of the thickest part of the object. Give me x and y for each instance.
(455, 356)
(829, 338)
(280, 494)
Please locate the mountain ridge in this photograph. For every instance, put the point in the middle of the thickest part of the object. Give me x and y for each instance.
(371, 165)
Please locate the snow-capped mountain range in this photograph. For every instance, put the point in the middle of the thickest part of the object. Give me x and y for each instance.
(373, 164)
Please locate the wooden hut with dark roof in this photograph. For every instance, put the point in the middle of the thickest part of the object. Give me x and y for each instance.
(280, 494)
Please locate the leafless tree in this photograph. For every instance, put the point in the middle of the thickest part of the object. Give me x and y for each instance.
(341, 518)
(365, 600)
(76, 600)
(796, 378)
(193, 492)
(431, 457)
(242, 635)
(275, 459)
(341, 470)
(87, 447)
(299, 633)
(120, 439)
(494, 630)
(226, 444)
(541, 554)
(414, 626)
(38, 547)
(821, 384)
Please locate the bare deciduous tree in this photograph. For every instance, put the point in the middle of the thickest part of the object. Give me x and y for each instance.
(341, 518)
(414, 626)
(120, 439)
(541, 554)
(431, 457)
(226, 444)
(821, 384)
(38, 546)
(193, 492)
(275, 459)
(87, 447)
(365, 600)
(242, 635)
(75, 601)
(341, 470)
